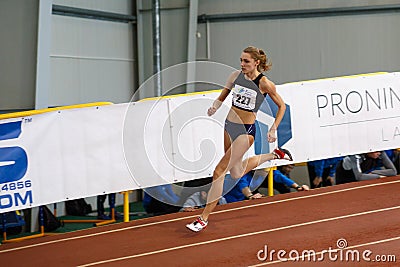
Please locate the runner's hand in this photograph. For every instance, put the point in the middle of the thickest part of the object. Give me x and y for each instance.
(271, 136)
(211, 111)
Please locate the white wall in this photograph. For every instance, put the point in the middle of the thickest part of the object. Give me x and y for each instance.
(304, 48)
(92, 60)
(18, 30)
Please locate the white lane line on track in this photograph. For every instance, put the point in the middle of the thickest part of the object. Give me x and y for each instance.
(333, 250)
(237, 236)
(193, 216)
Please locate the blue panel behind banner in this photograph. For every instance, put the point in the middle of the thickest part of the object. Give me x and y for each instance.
(261, 145)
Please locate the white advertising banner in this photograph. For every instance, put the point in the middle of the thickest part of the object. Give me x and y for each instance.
(74, 153)
(343, 116)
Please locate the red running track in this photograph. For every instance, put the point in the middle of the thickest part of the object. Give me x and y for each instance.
(356, 224)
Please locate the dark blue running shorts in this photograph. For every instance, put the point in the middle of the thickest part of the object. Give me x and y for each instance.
(236, 129)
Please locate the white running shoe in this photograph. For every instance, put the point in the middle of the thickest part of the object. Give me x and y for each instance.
(198, 225)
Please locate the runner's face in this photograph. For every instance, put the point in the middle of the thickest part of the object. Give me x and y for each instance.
(247, 63)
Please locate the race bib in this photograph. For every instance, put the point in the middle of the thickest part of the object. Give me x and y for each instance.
(244, 97)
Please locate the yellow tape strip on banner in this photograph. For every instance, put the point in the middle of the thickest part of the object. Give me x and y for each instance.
(41, 111)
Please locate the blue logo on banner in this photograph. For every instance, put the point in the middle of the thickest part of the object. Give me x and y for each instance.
(13, 160)
(284, 134)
